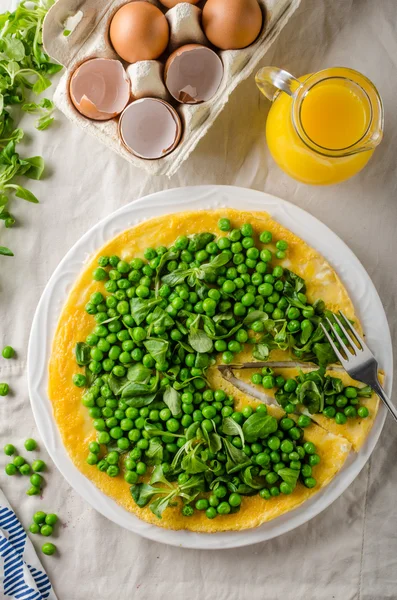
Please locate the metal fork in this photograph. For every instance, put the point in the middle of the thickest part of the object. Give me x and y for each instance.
(358, 362)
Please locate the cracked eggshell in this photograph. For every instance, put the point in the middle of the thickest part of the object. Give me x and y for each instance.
(100, 89)
(185, 26)
(193, 74)
(146, 77)
(139, 31)
(172, 3)
(150, 128)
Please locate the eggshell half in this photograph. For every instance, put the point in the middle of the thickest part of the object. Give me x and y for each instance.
(100, 88)
(139, 31)
(193, 74)
(150, 128)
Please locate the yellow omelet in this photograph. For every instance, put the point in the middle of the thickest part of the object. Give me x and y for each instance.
(333, 442)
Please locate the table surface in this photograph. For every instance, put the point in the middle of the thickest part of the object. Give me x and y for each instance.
(347, 552)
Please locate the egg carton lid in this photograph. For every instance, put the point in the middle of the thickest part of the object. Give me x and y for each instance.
(90, 39)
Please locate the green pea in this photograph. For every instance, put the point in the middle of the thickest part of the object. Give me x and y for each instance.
(30, 444)
(265, 494)
(211, 512)
(309, 448)
(224, 224)
(304, 421)
(268, 382)
(340, 418)
(36, 480)
(9, 449)
(363, 412)
(51, 519)
(314, 460)
(46, 530)
(350, 412)
(310, 482)
(49, 549)
(19, 461)
(329, 412)
(25, 469)
(38, 465)
(285, 488)
(235, 499)
(286, 424)
(202, 504)
(350, 392)
(131, 477)
(34, 528)
(4, 389)
(223, 508)
(8, 352)
(287, 446)
(11, 469)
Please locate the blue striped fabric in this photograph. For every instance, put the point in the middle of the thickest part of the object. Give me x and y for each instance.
(23, 577)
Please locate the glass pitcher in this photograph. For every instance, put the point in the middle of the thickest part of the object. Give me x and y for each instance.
(323, 127)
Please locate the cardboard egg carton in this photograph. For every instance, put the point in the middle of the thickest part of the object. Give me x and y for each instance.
(90, 39)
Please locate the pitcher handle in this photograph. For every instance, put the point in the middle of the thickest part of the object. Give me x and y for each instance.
(270, 80)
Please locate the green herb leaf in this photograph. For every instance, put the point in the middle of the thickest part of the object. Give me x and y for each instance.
(139, 374)
(261, 351)
(199, 341)
(158, 476)
(155, 451)
(252, 479)
(140, 308)
(142, 493)
(311, 396)
(288, 475)
(141, 401)
(364, 392)
(236, 458)
(157, 349)
(259, 425)
(35, 166)
(231, 427)
(5, 251)
(324, 354)
(82, 352)
(173, 400)
(22, 192)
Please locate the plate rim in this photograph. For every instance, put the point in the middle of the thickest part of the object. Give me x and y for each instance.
(183, 538)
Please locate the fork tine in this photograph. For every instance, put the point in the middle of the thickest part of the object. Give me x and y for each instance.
(341, 342)
(352, 342)
(334, 348)
(354, 332)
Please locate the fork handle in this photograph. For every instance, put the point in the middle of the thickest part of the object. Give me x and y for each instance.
(385, 399)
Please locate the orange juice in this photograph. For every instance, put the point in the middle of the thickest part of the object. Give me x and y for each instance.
(335, 115)
(322, 128)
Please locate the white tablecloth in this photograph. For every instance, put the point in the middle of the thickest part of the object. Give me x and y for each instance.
(349, 551)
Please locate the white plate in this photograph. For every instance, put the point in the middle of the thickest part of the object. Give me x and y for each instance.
(352, 273)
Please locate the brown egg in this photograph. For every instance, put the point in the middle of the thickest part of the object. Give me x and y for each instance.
(172, 3)
(232, 24)
(139, 31)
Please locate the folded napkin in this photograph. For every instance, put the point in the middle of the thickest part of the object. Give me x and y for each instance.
(22, 576)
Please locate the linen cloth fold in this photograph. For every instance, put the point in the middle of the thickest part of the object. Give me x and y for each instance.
(22, 576)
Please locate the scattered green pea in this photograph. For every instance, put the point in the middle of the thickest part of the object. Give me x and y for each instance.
(8, 352)
(48, 549)
(30, 444)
